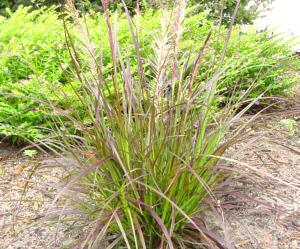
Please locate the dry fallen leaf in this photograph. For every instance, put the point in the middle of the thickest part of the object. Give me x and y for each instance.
(243, 242)
(295, 235)
(24, 219)
(21, 184)
(18, 169)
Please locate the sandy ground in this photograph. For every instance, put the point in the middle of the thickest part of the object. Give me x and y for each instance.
(19, 224)
(259, 211)
(262, 207)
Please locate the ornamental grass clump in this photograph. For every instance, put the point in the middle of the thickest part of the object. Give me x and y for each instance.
(147, 152)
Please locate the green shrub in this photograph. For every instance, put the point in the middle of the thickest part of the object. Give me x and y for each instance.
(34, 61)
(248, 11)
(32, 48)
(251, 55)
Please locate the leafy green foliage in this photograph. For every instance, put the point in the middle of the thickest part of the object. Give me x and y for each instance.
(248, 11)
(35, 62)
(30, 153)
(32, 49)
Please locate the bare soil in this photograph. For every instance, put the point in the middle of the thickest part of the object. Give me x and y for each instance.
(261, 207)
(20, 225)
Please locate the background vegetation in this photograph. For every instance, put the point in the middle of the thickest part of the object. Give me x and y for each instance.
(35, 62)
(248, 11)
